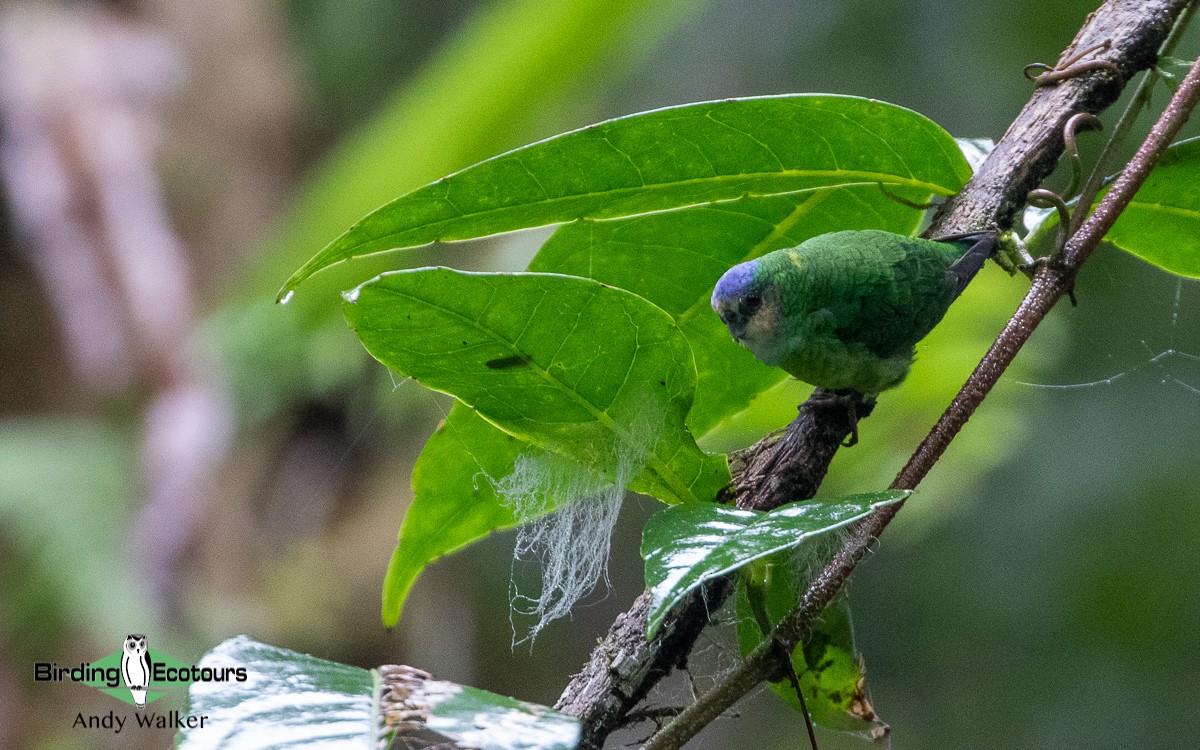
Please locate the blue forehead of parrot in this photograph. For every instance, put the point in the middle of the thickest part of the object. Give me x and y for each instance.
(735, 282)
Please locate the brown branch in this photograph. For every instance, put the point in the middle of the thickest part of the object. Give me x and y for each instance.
(625, 666)
(1049, 285)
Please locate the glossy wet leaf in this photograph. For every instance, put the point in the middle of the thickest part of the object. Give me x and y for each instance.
(665, 159)
(416, 706)
(686, 545)
(454, 500)
(288, 700)
(292, 700)
(569, 365)
(828, 666)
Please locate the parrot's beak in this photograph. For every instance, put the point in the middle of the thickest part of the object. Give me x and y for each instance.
(737, 329)
(727, 313)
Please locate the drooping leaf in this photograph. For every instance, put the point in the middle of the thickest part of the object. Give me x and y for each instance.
(689, 544)
(829, 669)
(1162, 223)
(568, 365)
(665, 159)
(454, 500)
(291, 700)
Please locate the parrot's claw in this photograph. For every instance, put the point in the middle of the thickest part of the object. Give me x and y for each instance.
(1048, 75)
(846, 399)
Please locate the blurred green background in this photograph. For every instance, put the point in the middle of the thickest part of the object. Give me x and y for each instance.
(181, 457)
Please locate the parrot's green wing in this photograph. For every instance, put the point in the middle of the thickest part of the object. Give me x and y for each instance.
(904, 285)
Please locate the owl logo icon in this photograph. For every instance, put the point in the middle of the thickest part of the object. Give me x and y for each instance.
(135, 668)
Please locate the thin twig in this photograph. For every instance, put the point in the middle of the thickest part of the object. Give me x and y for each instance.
(1050, 284)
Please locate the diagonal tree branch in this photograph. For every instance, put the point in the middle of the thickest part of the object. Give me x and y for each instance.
(625, 666)
(1051, 283)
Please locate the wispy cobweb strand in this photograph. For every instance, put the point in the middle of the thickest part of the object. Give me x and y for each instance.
(567, 512)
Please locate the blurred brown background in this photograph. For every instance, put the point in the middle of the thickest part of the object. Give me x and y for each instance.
(181, 457)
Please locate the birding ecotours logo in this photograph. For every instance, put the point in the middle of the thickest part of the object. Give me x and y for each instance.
(136, 674)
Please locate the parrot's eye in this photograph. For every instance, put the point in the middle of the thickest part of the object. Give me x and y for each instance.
(751, 304)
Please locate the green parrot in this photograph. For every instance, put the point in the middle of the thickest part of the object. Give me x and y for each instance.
(846, 309)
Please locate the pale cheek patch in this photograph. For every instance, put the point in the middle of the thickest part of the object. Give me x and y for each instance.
(762, 331)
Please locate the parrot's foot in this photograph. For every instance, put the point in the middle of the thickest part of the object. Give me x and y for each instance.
(846, 400)
(1048, 75)
(1012, 255)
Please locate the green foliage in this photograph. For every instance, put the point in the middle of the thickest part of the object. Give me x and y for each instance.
(293, 700)
(1162, 223)
(689, 544)
(658, 204)
(454, 500)
(669, 158)
(565, 364)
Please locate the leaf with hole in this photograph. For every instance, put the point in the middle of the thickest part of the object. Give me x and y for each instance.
(689, 544)
(828, 667)
(605, 378)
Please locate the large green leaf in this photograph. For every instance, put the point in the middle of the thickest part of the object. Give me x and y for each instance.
(454, 499)
(829, 669)
(1162, 223)
(291, 700)
(590, 372)
(689, 544)
(665, 159)
(672, 259)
